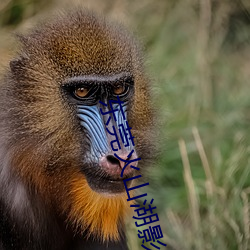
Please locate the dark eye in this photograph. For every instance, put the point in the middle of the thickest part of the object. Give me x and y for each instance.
(81, 92)
(118, 89)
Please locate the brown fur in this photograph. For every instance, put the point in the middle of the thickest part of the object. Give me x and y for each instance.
(40, 136)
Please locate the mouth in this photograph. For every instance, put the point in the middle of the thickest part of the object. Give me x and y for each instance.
(104, 183)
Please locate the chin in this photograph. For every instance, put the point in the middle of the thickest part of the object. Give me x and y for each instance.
(105, 210)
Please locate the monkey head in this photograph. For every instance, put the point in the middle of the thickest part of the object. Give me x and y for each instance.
(56, 117)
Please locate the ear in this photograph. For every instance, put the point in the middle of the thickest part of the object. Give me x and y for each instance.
(21, 38)
(18, 63)
(15, 64)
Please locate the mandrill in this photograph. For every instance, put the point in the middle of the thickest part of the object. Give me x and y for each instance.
(60, 169)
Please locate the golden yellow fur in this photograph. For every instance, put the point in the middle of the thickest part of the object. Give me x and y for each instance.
(98, 213)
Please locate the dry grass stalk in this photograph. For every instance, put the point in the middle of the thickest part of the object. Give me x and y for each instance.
(192, 197)
(204, 160)
(246, 220)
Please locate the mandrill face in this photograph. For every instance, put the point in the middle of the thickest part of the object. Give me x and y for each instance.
(103, 163)
(67, 71)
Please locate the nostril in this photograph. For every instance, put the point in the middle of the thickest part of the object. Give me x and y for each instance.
(112, 159)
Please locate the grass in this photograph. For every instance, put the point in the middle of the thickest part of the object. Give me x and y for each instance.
(202, 93)
(198, 55)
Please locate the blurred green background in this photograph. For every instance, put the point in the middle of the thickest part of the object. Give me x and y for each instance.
(198, 55)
